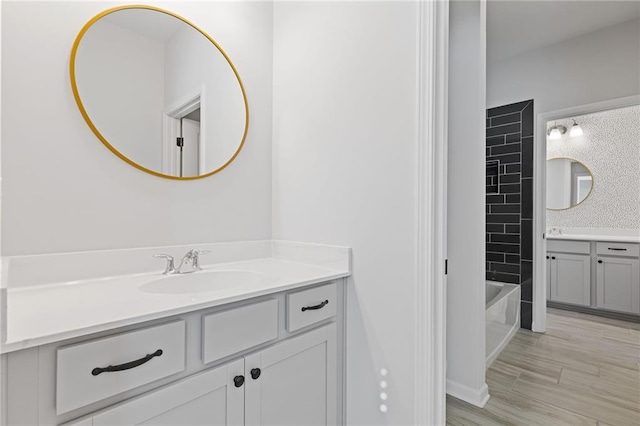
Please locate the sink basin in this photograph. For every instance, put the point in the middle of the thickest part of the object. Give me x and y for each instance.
(201, 281)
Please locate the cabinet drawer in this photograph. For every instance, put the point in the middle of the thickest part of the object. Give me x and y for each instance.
(310, 306)
(228, 332)
(618, 249)
(205, 398)
(567, 246)
(140, 357)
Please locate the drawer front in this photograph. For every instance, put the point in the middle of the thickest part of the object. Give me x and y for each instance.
(618, 249)
(140, 357)
(310, 306)
(566, 246)
(228, 332)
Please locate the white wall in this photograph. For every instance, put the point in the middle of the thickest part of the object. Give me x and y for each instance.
(594, 67)
(345, 163)
(610, 148)
(3, 416)
(466, 203)
(112, 63)
(193, 63)
(64, 191)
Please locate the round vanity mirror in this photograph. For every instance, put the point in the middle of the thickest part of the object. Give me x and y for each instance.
(159, 92)
(569, 183)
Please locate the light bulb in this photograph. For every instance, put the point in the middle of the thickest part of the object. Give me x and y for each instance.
(555, 133)
(576, 130)
(383, 408)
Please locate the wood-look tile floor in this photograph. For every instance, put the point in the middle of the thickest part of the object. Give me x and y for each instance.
(585, 370)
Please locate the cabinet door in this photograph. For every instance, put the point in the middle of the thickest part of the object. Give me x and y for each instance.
(570, 278)
(618, 284)
(295, 381)
(209, 398)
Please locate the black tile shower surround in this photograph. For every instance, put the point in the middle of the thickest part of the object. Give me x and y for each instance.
(509, 213)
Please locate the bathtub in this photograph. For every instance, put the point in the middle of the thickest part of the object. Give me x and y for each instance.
(502, 317)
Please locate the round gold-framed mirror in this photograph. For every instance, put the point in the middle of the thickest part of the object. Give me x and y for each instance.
(569, 183)
(159, 92)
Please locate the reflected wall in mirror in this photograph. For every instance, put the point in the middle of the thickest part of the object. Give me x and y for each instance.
(159, 92)
(569, 183)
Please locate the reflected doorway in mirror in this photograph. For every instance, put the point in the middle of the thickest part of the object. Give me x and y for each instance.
(183, 151)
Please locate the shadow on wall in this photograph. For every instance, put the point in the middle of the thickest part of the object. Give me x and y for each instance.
(509, 208)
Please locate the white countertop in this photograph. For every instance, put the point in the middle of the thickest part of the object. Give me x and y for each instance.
(596, 237)
(42, 314)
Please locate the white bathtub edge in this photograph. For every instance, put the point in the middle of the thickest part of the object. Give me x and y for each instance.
(492, 357)
(506, 291)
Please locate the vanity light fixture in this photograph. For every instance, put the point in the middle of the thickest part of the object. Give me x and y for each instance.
(576, 130)
(556, 131)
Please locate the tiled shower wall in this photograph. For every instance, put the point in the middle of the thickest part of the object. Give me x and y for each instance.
(509, 239)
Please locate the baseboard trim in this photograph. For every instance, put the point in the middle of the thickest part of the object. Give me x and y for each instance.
(477, 397)
(594, 311)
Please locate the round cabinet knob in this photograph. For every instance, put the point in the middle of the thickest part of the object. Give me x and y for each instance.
(547, 257)
(599, 261)
(255, 373)
(238, 381)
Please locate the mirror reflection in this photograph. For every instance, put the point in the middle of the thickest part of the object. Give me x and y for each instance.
(161, 94)
(569, 182)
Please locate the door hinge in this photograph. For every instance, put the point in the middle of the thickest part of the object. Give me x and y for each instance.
(446, 266)
(180, 142)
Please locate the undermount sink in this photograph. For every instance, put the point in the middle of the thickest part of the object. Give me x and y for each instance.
(200, 282)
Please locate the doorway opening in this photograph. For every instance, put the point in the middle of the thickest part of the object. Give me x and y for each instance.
(551, 214)
(183, 150)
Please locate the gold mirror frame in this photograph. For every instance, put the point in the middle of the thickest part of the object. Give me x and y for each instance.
(590, 190)
(85, 115)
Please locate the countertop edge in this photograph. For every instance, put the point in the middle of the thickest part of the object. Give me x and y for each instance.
(30, 342)
(597, 238)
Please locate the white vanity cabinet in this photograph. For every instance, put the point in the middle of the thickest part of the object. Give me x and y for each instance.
(570, 278)
(289, 383)
(209, 398)
(569, 272)
(238, 364)
(598, 275)
(618, 277)
(293, 382)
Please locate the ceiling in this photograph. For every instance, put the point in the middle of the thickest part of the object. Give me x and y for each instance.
(518, 26)
(149, 23)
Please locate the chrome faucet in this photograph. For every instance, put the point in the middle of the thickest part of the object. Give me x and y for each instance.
(170, 269)
(192, 256)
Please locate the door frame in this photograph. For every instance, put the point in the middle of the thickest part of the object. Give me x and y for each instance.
(540, 202)
(171, 129)
(430, 298)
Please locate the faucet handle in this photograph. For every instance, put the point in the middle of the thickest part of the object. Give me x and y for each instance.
(170, 268)
(195, 259)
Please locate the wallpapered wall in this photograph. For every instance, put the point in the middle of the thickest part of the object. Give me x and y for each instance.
(610, 147)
